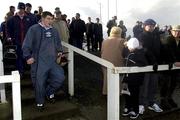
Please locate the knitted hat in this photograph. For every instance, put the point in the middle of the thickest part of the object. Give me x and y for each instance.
(21, 5)
(149, 22)
(176, 28)
(133, 43)
(115, 32)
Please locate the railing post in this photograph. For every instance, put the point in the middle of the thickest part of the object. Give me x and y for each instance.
(71, 72)
(2, 87)
(16, 93)
(113, 95)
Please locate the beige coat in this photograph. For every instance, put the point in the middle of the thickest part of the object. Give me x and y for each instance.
(63, 30)
(112, 51)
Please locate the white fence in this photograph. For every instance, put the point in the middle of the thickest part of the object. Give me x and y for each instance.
(16, 93)
(2, 87)
(112, 76)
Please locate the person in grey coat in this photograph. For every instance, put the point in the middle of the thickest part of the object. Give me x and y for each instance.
(41, 47)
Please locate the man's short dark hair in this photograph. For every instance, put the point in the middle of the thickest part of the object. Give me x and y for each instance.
(35, 12)
(77, 14)
(46, 13)
(11, 7)
(28, 5)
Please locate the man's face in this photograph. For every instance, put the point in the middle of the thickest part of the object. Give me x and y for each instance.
(47, 21)
(13, 10)
(149, 28)
(89, 19)
(21, 11)
(175, 33)
(115, 17)
(40, 9)
(77, 16)
(28, 9)
(58, 16)
(97, 20)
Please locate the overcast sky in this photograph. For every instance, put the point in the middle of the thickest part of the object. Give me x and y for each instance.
(164, 12)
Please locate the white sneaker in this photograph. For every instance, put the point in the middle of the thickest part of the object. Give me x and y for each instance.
(155, 108)
(133, 115)
(126, 112)
(125, 91)
(141, 109)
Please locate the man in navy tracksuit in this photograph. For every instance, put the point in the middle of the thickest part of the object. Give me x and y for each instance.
(17, 26)
(41, 47)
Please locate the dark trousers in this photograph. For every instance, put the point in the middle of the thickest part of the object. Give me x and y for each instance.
(20, 62)
(98, 41)
(168, 84)
(148, 89)
(77, 42)
(132, 101)
(90, 42)
(46, 80)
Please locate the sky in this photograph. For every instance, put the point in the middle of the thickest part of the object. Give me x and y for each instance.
(164, 12)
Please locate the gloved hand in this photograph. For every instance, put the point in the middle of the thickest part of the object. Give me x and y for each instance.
(155, 67)
(170, 66)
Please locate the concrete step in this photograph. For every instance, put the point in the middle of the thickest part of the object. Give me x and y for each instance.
(28, 95)
(58, 111)
(5, 110)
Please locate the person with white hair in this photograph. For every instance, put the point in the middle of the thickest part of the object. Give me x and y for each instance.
(134, 55)
(111, 51)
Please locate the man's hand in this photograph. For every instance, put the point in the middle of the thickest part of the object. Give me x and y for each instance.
(155, 67)
(9, 40)
(30, 61)
(60, 54)
(170, 66)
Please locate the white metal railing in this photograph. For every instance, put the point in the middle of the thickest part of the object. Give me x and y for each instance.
(16, 93)
(71, 50)
(112, 77)
(2, 86)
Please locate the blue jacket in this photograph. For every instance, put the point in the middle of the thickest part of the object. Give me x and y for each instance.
(17, 28)
(34, 38)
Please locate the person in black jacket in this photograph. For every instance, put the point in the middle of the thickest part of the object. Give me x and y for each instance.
(90, 34)
(98, 34)
(134, 56)
(17, 27)
(152, 45)
(171, 55)
(137, 29)
(77, 29)
(110, 24)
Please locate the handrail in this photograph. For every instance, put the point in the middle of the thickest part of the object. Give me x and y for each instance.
(2, 86)
(149, 68)
(16, 92)
(112, 77)
(90, 56)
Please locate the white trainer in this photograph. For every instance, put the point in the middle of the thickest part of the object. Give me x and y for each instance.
(155, 108)
(141, 109)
